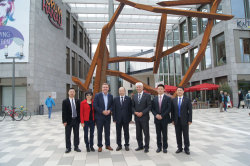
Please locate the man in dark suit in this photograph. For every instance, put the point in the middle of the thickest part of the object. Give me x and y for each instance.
(182, 118)
(161, 108)
(103, 106)
(71, 119)
(122, 115)
(141, 105)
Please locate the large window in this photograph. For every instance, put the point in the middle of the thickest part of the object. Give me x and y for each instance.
(67, 24)
(206, 62)
(192, 27)
(185, 63)
(177, 68)
(184, 34)
(73, 61)
(170, 40)
(193, 53)
(171, 69)
(67, 60)
(245, 49)
(74, 31)
(176, 36)
(80, 67)
(203, 21)
(219, 50)
(81, 37)
(241, 8)
(219, 11)
(165, 64)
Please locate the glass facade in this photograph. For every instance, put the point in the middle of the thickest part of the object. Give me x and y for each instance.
(184, 34)
(206, 62)
(241, 8)
(245, 49)
(193, 53)
(219, 50)
(176, 36)
(74, 31)
(192, 27)
(203, 21)
(185, 63)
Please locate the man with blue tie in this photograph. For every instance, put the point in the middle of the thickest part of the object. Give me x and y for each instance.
(103, 106)
(182, 118)
(122, 115)
(161, 108)
(71, 119)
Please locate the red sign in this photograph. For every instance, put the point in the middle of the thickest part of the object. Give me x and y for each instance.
(54, 12)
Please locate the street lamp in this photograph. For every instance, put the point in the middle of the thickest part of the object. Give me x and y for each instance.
(13, 73)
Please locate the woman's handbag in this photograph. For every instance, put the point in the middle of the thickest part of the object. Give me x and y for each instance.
(242, 102)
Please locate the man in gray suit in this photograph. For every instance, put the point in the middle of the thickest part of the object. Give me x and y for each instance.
(141, 105)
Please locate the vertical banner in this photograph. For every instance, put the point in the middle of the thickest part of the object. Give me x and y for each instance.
(14, 29)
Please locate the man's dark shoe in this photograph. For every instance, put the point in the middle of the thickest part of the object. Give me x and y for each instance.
(118, 148)
(67, 150)
(127, 148)
(158, 150)
(139, 148)
(165, 150)
(88, 150)
(100, 149)
(77, 150)
(187, 152)
(109, 148)
(178, 151)
(146, 150)
(92, 149)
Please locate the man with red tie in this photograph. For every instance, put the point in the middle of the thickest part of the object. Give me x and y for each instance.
(182, 118)
(161, 108)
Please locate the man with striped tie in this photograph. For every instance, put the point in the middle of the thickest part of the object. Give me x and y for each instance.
(182, 118)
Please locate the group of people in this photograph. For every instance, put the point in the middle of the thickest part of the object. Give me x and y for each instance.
(244, 100)
(98, 111)
(225, 101)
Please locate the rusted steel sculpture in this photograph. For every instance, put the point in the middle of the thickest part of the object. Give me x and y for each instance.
(101, 57)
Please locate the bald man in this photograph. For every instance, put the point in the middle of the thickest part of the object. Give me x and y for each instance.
(122, 115)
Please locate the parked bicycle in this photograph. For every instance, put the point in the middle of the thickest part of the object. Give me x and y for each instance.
(12, 112)
(25, 112)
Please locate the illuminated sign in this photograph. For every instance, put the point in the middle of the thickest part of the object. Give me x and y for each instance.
(54, 12)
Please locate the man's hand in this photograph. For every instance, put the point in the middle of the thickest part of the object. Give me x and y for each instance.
(108, 111)
(105, 112)
(173, 123)
(159, 117)
(189, 123)
(82, 124)
(139, 114)
(65, 124)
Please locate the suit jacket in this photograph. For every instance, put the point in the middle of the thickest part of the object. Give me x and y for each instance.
(186, 110)
(165, 108)
(122, 112)
(144, 106)
(67, 111)
(99, 106)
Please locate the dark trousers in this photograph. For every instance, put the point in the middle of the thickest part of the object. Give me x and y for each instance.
(142, 125)
(68, 128)
(162, 134)
(100, 124)
(89, 125)
(179, 130)
(119, 127)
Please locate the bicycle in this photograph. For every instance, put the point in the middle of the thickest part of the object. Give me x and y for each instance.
(26, 114)
(16, 115)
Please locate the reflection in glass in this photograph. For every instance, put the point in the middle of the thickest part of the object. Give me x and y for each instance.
(183, 27)
(219, 50)
(193, 53)
(176, 36)
(192, 27)
(245, 49)
(185, 63)
(203, 21)
(206, 61)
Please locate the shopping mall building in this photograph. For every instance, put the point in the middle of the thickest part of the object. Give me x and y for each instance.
(227, 57)
(55, 48)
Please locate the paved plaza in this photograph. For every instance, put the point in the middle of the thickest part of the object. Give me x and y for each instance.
(216, 139)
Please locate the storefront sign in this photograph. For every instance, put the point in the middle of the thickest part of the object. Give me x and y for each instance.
(243, 23)
(54, 12)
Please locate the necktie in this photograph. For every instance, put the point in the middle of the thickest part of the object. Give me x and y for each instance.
(160, 100)
(139, 98)
(121, 100)
(179, 107)
(73, 110)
